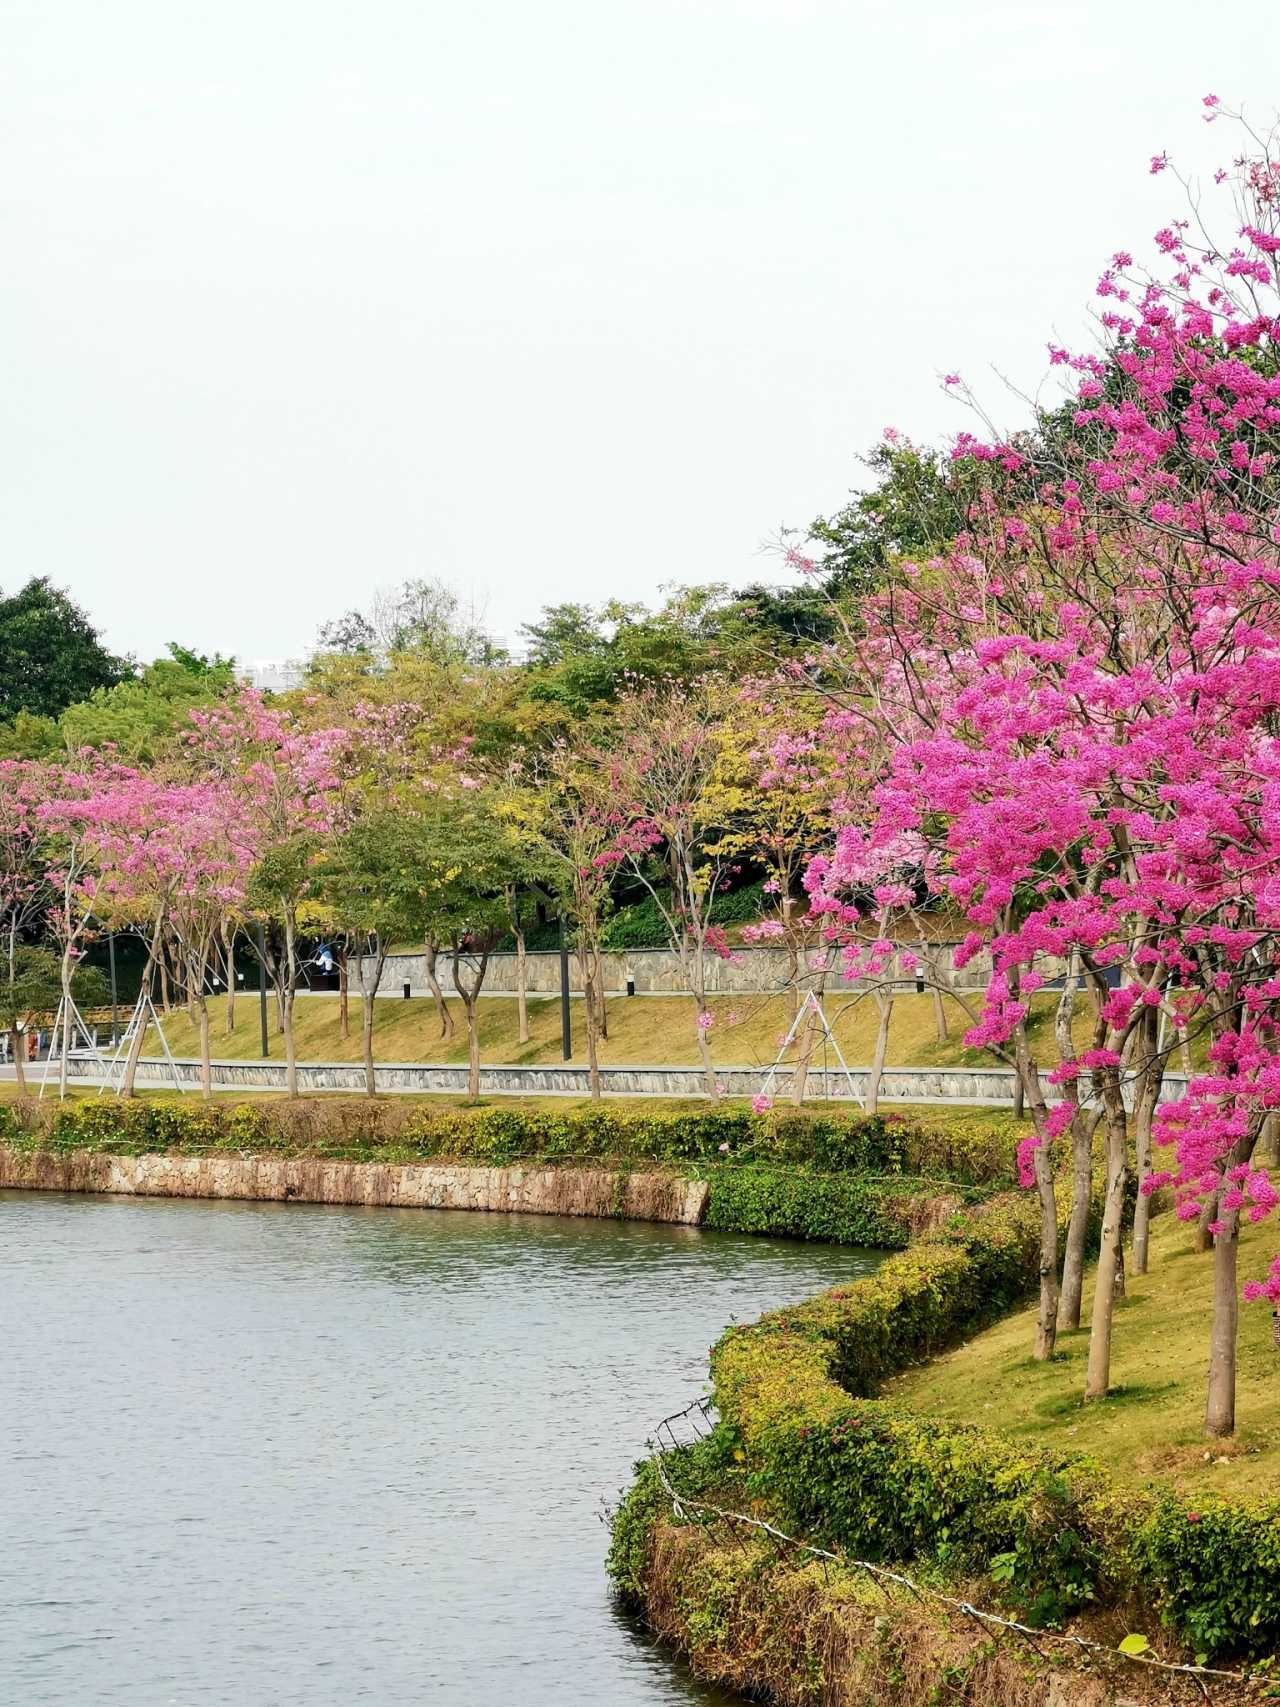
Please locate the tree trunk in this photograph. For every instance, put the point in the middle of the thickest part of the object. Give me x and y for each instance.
(290, 1050)
(447, 1027)
(368, 996)
(135, 1053)
(589, 972)
(1047, 1322)
(693, 963)
(522, 988)
(1083, 1127)
(884, 1003)
(602, 1012)
(66, 1022)
(1220, 1400)
(227, 937)
(206, 1062)
(1042, 1170)
(704, 1052)
(18, 1049)
(164, 979)
(939, 1012)
(1150, 1075)
(1098, 1378)
(1220, 1403)
(366, 1041)
(1208, 1212)
(804, 1056)
(593, 1041)
(471, 1006)
(793, 953)
(286, 1006)
(473, 1050)
(1142, 1208)
(367, 999)
(344, 1011)
(135, 1042)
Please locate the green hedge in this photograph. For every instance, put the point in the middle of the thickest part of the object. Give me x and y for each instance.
(1050, 1529)
(798, 1203)
(361, 1129)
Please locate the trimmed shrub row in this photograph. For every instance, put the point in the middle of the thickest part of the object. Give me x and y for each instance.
(359, 1129)
(842, 1209)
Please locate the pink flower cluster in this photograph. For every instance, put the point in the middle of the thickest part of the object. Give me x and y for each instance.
(1081, 693)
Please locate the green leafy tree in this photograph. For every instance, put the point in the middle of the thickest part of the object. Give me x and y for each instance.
(29, 737)
(422, 616)
(52, 654)
(31, 991)
(370, 883)
(915, 502)
(455, 863)
(582, 658)
(661, 772)
(138, 716)
(561, 814)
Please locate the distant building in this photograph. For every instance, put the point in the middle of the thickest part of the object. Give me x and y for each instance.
(273, 675)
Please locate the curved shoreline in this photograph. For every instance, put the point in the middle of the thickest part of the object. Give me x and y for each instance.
(600, 1192)
(804, 1441)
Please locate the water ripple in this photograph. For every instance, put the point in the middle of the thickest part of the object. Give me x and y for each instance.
(298, 1456)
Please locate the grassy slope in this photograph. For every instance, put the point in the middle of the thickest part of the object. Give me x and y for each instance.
(1151, 1425)
(654, 1030)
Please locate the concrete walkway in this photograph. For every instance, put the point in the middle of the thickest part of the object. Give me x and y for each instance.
(990, 1087)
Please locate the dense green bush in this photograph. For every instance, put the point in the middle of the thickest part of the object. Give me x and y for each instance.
(797, 1203)
(689, 1470)
(360, 1129)
(886, 1485)
(938, 1292)
(641, 924)
(1218, 1567)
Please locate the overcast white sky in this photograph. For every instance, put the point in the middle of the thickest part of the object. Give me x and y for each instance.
(554, 299)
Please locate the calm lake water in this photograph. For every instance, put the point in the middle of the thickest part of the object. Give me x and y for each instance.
(265, 1454)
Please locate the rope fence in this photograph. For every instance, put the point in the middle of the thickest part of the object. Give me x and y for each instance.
(696, 1417)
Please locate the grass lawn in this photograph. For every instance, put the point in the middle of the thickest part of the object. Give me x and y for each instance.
(1149, 1428)
(647, 1030)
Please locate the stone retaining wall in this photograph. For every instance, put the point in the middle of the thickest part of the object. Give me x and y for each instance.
(600, 1192)
(749, 971)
